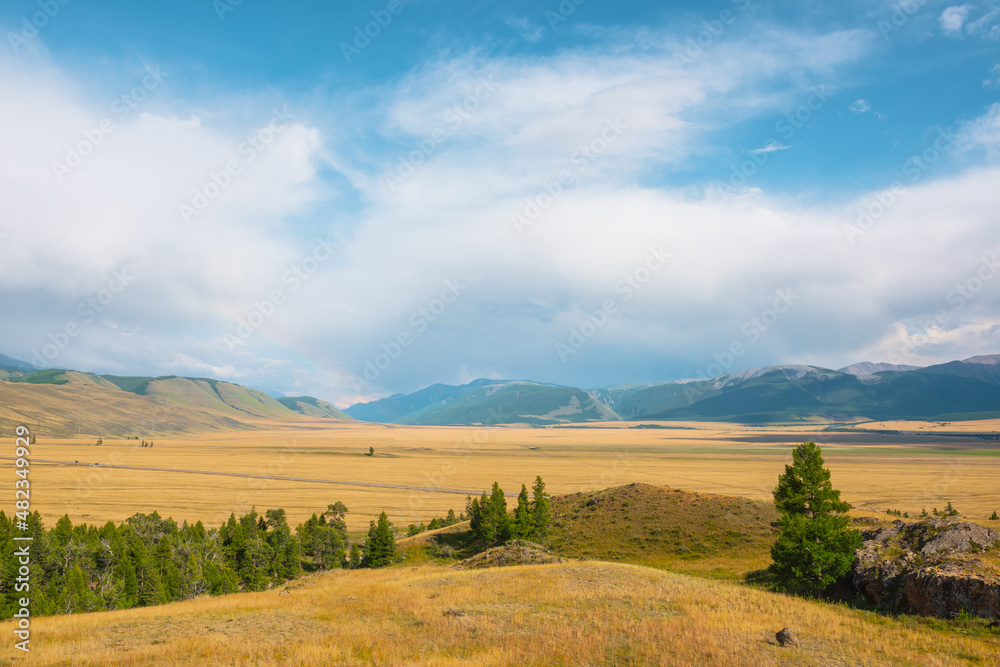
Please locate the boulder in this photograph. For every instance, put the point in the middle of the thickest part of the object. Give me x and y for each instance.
(786, 637)
(930, 568)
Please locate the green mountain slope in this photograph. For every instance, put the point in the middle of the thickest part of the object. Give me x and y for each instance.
(518, 403)
(398, 407)
(313, 407)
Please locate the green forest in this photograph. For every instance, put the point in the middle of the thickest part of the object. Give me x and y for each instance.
(148, 560)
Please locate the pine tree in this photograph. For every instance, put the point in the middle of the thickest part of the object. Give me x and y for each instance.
(523, 525)
(540, 510)
(380, 547)
(475, 512)
(815, 547)
(994, 516)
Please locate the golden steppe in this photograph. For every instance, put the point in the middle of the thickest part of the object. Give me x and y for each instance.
(908, 470)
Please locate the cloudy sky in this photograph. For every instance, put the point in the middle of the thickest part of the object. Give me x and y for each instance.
(349, 200)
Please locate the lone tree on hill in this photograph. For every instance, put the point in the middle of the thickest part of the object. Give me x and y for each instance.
(815, 548)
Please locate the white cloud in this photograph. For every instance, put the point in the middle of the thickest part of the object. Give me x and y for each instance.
(860, 106)
(453, 217)
(953, 18)
(993, 82)
(983, 133)
(771, 147)
(985, 25)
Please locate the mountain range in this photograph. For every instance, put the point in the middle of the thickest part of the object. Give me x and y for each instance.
(968, 389)
(75, 402)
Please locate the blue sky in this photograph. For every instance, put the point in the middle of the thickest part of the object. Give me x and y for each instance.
(586, 194)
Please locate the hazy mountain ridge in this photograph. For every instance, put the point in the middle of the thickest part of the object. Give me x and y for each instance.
(956, 390)
(967, 389)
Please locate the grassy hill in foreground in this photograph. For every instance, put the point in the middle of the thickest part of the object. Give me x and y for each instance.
(589, 613)
(693, 533)
(697, 533)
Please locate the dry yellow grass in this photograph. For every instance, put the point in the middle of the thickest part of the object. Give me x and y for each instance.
(873, 471)
(570, 614)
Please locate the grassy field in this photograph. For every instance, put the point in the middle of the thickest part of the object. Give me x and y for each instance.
(874, 471)
(579, 613)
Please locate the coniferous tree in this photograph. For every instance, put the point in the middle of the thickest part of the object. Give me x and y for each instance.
(475, 512)
(815, 548)
(540, 510)
(380, 546)
(523, 525)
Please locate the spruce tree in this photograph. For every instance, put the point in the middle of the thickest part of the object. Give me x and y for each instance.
(540, 510)
(815, 548)
(523, 525)
(498, 519)
(380, 546)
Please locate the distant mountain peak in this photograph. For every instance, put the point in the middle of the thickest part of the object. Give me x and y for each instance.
(865, 368)
(990, 359)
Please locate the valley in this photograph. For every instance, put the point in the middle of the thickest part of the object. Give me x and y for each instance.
(874, 471)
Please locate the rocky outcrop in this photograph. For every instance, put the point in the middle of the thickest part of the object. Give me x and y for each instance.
(935, 567)
(515, 552)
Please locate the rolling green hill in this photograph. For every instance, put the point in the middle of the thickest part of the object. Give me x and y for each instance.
(312, 407)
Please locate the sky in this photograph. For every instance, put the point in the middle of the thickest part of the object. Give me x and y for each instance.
(353, 201)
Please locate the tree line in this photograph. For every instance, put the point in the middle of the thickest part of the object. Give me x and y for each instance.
(491, 524)
(148, 560)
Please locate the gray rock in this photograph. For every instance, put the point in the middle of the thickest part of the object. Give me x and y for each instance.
(926, 568)
(786, 637)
